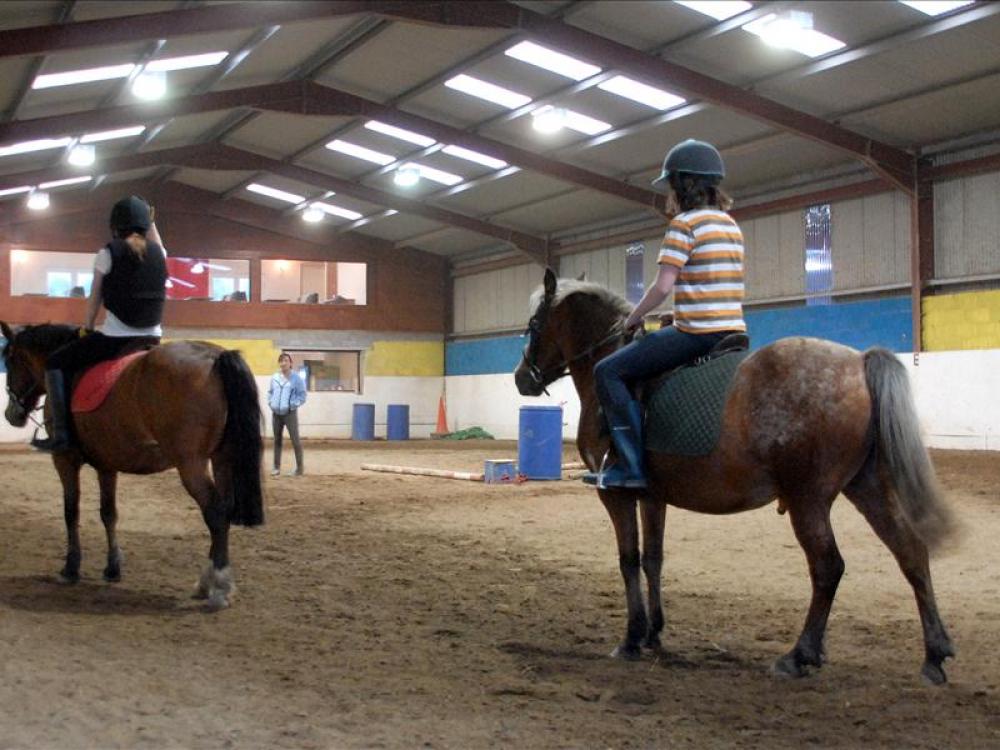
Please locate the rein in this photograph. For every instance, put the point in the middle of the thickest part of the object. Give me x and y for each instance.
(33, 392)
(561, 370)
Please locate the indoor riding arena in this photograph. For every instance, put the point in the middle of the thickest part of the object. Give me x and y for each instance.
(415, 200)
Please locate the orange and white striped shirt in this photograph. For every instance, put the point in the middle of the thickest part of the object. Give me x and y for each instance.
(707, 245)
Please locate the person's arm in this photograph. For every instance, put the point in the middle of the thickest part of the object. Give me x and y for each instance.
(298, 391)
(658, 291)
(94, 301)
(154, 234)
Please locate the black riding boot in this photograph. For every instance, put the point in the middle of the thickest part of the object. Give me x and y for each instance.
(627, 471)
(58, 439)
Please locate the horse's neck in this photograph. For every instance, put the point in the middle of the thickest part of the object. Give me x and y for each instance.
(589, 442)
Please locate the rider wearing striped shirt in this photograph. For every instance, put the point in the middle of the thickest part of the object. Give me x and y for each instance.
(701, 261)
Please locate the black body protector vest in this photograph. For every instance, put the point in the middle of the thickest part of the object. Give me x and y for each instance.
(135, 288)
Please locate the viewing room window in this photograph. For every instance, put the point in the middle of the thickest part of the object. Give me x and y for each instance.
(216, 279)
(329, 370)
(310, 282)
(37, 273)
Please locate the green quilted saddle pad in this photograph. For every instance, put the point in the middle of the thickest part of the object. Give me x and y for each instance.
(684, 410)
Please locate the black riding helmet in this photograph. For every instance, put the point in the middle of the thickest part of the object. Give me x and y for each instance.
(129, 215)
(692, 157)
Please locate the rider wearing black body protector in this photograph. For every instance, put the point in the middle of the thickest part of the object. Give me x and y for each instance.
(130, 275)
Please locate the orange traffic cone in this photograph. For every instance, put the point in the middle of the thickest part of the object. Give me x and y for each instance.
(442, 423)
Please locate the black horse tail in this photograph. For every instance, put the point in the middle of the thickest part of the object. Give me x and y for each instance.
(901, 449)
(242, 443)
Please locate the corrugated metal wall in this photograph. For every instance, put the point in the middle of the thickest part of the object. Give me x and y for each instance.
(967, 226)
(871, 241)
(775, 256)
(495, 300)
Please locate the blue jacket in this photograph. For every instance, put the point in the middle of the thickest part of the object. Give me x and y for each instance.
(284, 396)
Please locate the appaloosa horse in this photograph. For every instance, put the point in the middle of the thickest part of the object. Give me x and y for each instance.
(181, 405)
(804, 420)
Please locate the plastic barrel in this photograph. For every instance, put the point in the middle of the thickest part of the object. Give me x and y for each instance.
(539, 442)
(397, 422)
(363, 422)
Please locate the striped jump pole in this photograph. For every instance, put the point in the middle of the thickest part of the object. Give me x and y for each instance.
(443, 473)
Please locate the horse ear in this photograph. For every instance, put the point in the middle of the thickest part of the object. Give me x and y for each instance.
(582, 276)
(550, 282)
(7, 333)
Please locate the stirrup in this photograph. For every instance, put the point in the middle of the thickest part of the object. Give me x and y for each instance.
(593, 478)
(49, 444)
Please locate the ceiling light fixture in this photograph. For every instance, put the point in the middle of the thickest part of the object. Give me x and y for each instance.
(312, 215)
(42, 144)
(474, 156)
(488, 91)
(82, 155)
(552, 61)
(70, 77)
(794, 30)
(110, 135)
(641, 93)
(15, 190)
(936, 7)
(198, 268)
(150, 85)
(720, 10)
(345, 213)
(64, 183)
(360, 152)
(438, 175)
(38, 201)
(548, 120)
(271, 192)
(203, 60)
(407, 176)
(403, 135)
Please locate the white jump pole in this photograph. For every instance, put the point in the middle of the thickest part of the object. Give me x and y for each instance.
(574, 465)
(469, 475)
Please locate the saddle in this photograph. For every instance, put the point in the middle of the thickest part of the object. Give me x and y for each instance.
(96, 383)
(683, 407)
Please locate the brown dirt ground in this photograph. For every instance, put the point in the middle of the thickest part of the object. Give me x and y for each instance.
(390, 611)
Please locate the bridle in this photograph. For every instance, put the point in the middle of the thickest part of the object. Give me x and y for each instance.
(22, 400)
(536, 324)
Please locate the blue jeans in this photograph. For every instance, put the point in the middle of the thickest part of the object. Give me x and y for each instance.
(645, 358)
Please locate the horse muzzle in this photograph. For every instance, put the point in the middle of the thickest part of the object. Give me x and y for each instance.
(528, 381)
(17, 416)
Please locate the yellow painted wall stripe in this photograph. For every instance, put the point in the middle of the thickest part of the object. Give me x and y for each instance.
(401, 358)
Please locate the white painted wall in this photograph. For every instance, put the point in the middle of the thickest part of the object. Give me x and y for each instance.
(957, 395)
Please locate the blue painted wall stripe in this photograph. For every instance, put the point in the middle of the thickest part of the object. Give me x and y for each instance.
(881, 322)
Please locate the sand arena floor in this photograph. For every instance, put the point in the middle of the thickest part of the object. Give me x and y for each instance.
(387, 611)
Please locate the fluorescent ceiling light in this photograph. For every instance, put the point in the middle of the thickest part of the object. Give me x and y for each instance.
(445, 178)
(312, 215)
(271, 192)
(38, 201)
(71, 77)
(15, 190)
(717, 9)
(552, 61)
(548, 120)
(150, 85)
(360, 152)
(329, 208)
(936, 7)
(110, 135)
(64, 183)
(187, 61)
(488, 91)
(406, 176)
(41, 144)
(570, 119)
(641, 92)
(478, 158)
(82, 155)
(403, 135)
(793, 30)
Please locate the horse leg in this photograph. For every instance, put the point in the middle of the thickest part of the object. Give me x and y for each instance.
(216, 583)
(621, 508)
(653, 515)
(69, 475)
(108, 482)
(811, 522)
(870, 497)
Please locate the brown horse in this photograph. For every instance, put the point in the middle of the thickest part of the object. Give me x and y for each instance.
(804, 420)
(183, 404)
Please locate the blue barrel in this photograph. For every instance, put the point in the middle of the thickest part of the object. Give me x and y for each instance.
(539, 442)
(397, 422)
(363, 422)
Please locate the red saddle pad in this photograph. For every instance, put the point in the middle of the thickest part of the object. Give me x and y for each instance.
(97, 382)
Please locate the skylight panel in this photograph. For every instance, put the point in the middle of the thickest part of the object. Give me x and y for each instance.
(641, 93)
(15, 190)
(578, 122)
(936, 7)
(475, 156)
(337, 211)
(720, 10)
(26, 147)
(271, 192)
(437, 175)
(794, 31)
(403, 135)
(64, 183)
(186, 61)
(488, 91)
(110, 135)
(552, 61)
(360, 152)
(105, 73)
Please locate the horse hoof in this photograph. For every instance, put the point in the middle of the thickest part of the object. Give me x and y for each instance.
(216, 603)
(112, 576)
(67, 578)
(626, 653)
(653, 644)
(933, 674)
(788, 666)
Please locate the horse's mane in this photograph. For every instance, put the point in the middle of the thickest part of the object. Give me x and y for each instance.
(44, 338)
(566, 287)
